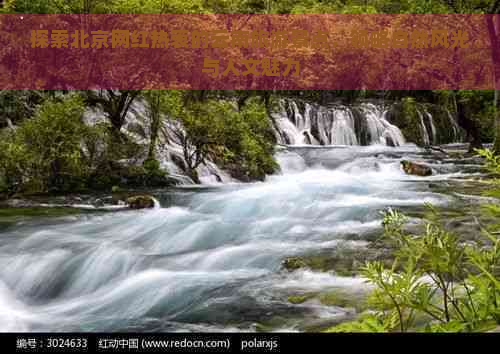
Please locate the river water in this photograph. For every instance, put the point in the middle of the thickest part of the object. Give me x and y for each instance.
(208, 258)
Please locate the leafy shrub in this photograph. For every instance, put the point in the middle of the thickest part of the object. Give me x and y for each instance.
(45, 153)
(241, 142)
(453, 286)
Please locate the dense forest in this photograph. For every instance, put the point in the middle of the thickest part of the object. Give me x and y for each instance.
(331, 211)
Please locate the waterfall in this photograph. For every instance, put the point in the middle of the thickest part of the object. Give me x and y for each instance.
(363, 124)
(431, 135)
(169, 149)
(433, 127)
(423, 129)
(381, 131)
(457, 136)
(342, 132)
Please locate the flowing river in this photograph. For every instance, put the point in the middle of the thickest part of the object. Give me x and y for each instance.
(209, 258)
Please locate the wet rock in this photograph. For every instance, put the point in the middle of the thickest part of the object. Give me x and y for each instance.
(140, 202)
(300, 298)
(116, 189)
(19, 203)
(342, 260)
(345, 299)
(336, 297)
(413, 168)
(293, 263)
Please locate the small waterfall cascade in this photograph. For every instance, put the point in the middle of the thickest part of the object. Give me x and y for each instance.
(363, 124)
(438, 127)
(457, 132)
(380, 130)
(423, 128)
(301, 123)
(169, 148)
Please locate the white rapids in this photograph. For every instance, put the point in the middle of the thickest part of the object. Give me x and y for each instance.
(209, 258)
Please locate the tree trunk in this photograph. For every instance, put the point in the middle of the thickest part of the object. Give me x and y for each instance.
(193, 174)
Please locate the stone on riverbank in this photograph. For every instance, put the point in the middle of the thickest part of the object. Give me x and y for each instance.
(413, 168)
(140, 202)
(293, 263)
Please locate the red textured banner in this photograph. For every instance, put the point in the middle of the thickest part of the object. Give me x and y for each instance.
(344, 52)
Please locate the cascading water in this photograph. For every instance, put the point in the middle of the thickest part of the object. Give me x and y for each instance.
(357, 124)
(423, 129)
(209, 258)
(169, 149)
(381, 131)
(342, 131)
(336, 125)
(433, 127)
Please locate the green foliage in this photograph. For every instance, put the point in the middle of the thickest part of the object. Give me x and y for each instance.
(241, 141)
(481, 111)
(158, 7)
(52, 149)
(492, 161)
(299, 299)
(12, 157)
(45, 152)
(451, 285)
(18, 105)
(159, 104)
(257, 145)
(368, 323)
(153, 170)
(151, 166)
(247, 6)
(405, 115)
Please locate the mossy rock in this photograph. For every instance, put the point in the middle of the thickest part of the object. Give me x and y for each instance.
(336, 297)
(10, 216)
(343, 261)
(294, 263)
(14, 213)
(272, 324)
(344, 299)
(413, 168)
(116, 189)
(300, 298)
(141, 202)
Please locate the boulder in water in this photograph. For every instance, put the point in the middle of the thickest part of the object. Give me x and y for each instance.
(413, 168)
(141, 202)
(293, 263)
